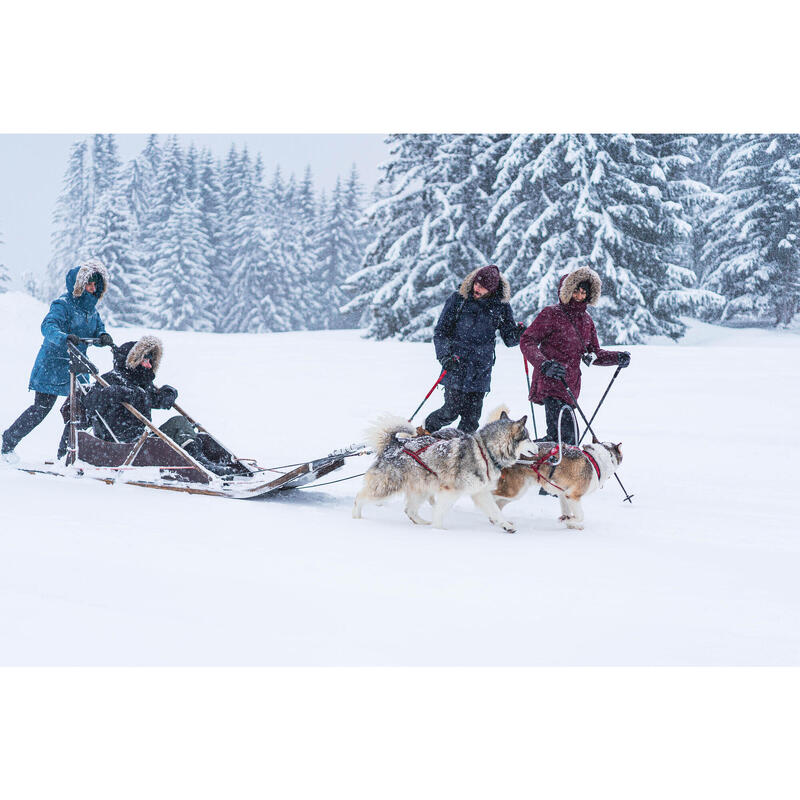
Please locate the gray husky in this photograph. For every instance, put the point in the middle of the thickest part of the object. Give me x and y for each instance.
(441, 467)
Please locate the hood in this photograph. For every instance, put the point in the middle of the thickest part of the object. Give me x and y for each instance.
(569, 283)
(78, 277)
(504, 292)
(128, 355)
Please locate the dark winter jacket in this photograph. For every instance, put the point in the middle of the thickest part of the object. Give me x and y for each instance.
(563, 333)
(73, 312)
(467, 328)
(130, 383)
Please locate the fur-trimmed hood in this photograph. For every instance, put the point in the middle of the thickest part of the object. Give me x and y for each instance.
(128, 355)
(569, 283)
(503, 293)
(84, 272)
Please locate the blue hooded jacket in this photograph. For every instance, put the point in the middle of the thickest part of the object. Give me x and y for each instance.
(73, 312)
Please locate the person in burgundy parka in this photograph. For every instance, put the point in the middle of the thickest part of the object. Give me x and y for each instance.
(556, 342)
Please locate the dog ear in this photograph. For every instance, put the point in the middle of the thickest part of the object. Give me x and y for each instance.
(521, 422)
(595, 440)
(503, 415)
(619, 446)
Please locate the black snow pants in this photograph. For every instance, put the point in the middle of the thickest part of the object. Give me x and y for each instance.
(28, 420)
(552, 408)
(467, 405)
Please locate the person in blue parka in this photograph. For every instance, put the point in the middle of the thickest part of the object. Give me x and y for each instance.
(71, 317)
(464, 338)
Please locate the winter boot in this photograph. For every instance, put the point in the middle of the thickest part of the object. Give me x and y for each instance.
(7, 454)
(193, 448)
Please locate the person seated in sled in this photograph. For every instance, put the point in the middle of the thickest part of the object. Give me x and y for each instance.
(132, 381)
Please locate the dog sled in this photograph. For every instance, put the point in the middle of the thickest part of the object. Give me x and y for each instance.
(155, 461)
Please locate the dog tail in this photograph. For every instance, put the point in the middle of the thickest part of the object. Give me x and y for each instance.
(494, 415)
(385, 429)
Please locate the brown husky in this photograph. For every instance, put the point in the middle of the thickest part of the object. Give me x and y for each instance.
(580, 472)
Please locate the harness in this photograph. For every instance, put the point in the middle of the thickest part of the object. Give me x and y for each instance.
(553, 452)
(415, 455)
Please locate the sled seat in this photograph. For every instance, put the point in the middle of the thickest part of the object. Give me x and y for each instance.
(153, 453)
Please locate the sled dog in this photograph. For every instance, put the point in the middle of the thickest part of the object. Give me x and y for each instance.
(576, 476)
(441, 467)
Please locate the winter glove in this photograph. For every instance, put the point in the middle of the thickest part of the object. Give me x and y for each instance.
(624, 359)
(105, 340)
(73, 339)
(450, 362)
(167, 395)
(552, 369)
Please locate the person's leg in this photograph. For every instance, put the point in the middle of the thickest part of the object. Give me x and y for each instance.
(471, 409)
(552, 409)
(28, 420)
(447, 413)
(181, 431)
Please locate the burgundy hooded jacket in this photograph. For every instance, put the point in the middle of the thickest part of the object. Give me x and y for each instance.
(563, 332)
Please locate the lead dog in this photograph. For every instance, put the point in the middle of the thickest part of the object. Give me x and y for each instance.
(441, 467)
(581, 472)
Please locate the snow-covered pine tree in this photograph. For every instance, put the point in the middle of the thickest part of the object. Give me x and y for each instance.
(180, 270)
(211, 198)
(191, 170)
(445, 183)
(402, 218)
(517, 218)
(607, 207)
(111, 237)
(257, 300)
(355, 204)
(752, 257)
(337, 254)
(105, 165)
(69, 221)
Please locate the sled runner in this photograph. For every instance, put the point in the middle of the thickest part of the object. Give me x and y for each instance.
(157, 462)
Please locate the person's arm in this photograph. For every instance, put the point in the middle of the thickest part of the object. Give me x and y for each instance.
(54, 325)
(603, 358)
(534, 335)
(442, 333)
(510, 332)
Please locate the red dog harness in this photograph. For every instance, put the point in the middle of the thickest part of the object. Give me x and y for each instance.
(554, 452)
(415, 456)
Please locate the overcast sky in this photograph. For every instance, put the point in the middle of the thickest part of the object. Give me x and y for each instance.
(32, 169)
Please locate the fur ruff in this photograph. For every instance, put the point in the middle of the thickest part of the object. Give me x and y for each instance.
(147, 344)
(504, 290)
(86, 270)
(572, 280)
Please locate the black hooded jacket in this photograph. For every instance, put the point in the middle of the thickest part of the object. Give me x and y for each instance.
(129, 383)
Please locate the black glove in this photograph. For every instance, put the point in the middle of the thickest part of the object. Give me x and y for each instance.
(73, 339)
(552, 369)
(450, 362)
(624, 359)
(167, 395)
(105, 340)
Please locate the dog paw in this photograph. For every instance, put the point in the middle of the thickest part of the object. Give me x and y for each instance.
(564, 517)
(418, 520)
(508, 526)
(575, 526)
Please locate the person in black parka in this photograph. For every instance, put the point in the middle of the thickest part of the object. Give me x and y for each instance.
(464, 338)
(132, 382)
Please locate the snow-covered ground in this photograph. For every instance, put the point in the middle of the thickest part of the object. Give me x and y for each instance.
(701, 569)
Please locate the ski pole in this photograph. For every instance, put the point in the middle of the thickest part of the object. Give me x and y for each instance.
(438, 381)
(600, 403)
(589, 427)
(528, 380)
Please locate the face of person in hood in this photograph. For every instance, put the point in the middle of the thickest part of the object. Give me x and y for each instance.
(142, 373)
